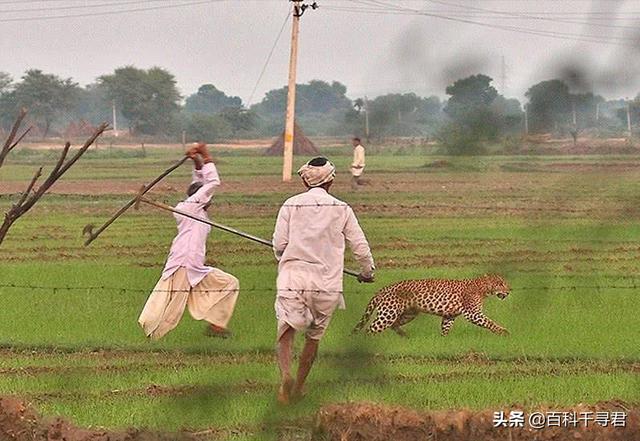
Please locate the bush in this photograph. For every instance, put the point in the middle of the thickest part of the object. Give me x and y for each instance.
(511, 144)
(459, 140)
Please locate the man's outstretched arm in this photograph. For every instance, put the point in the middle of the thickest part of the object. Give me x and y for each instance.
(205, 173)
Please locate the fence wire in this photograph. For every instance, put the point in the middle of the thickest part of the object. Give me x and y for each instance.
(61, 288)
(56, 289)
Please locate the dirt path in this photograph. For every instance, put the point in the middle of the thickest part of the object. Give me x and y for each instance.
(371, 422)
(20, 422)
(342, 422)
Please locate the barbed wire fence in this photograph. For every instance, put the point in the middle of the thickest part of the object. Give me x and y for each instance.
(54, 289)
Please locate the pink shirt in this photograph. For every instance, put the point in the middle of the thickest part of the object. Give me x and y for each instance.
(309, 241)
(189, 247)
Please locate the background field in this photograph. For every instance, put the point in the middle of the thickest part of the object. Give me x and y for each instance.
(562, 229)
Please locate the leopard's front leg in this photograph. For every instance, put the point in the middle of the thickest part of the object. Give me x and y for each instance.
(447, 323)
(479, 319)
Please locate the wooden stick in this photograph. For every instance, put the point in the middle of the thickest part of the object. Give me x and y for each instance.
(94, 234)
(219, 226)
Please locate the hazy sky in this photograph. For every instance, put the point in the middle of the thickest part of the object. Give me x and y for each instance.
(372, 46)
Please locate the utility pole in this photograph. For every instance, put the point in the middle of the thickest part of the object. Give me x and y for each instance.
(597, 112)
(526, 121)
(503, 76)
(366, 118)
(573, 111)
(629, 118)
(113, 116)
(287, 167)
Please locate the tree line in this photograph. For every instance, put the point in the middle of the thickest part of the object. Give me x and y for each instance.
(148, 103)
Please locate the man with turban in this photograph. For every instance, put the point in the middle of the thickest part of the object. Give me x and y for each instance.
(309, 243)
(209, 293)
(357, 166)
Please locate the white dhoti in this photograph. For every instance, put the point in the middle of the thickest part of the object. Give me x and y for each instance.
(356, 172)
(213, 300)
(303, 304)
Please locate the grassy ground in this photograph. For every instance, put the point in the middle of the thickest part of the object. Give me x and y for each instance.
(562, 230)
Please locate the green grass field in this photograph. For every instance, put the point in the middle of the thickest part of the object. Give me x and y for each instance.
(564, 231)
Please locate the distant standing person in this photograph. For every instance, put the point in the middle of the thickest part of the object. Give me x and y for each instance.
(357, 166)
(309, 243)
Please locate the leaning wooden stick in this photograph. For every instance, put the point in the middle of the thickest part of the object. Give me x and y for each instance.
(94, 234)
(231, 230)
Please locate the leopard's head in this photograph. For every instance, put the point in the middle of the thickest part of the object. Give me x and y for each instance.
(496, 285)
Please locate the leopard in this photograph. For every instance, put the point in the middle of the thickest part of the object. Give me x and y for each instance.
(401, 302)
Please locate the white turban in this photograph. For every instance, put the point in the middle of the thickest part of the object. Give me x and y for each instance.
(318, 171)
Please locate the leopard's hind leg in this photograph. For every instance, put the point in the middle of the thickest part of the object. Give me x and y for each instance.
(407, 316)
(389, 309)
(371, 307)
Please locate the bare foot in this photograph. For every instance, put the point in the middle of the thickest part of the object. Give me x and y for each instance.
(297, 395)
(216, 331)
(284, 393)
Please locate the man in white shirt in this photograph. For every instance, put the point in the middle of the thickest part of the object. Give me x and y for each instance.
(209, 293)
(357, 166)
(309, 243)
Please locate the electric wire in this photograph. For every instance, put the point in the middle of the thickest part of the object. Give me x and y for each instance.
(266, 62)
(110, 12)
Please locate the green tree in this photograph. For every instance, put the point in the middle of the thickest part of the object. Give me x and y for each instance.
(585, 105)
(240, 121)
(404, 115)
(148, 99)
(469, 106)
(210, 100)
(46, 96)
(549, 105)
(5, 82)
(474, 92)
(93, 105)
(430, 111)
(394, 114)
(508, 113)
(477, 114)
(207, 128)
(315, 97)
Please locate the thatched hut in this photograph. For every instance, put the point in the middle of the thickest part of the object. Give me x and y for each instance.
(301, 144)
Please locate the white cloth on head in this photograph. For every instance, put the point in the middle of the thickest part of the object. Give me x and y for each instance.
(316, 175)
(309, 243)
(188, 248)
(357, 166)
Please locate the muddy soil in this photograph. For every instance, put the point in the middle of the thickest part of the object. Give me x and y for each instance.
(342, 422)
(19, 422)
(371, 422)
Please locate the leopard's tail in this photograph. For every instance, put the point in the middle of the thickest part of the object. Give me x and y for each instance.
(371, 307)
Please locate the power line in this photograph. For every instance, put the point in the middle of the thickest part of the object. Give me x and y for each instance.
(527, 16)
(88, 6)
(266, 62)
(505, 15)
(386, 8)
(112, 12)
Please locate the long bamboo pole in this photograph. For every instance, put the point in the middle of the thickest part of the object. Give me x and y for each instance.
(219, 226)
(94, 234)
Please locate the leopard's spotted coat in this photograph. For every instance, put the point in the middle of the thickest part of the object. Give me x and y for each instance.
(401, 302)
